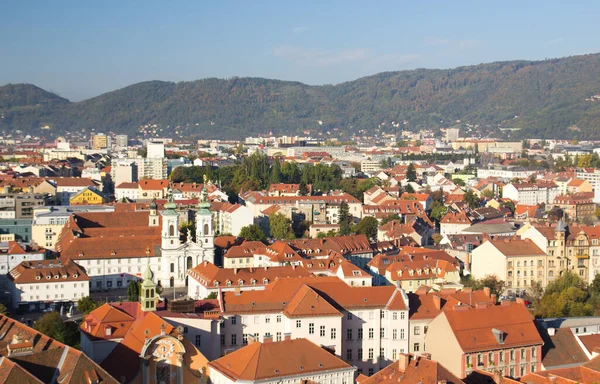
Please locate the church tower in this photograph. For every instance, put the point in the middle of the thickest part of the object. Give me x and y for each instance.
(204, 225)
(170, 225)
(153, 217)
(148, 291)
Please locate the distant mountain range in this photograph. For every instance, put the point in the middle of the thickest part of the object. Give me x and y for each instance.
(548, 99)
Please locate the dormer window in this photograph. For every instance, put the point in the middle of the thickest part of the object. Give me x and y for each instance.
(240, 282)
(265, 281)
(228, 283)
(75, 276)
(356, 273)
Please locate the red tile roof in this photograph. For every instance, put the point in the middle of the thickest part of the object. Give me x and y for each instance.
(263, 361)
(410, 369)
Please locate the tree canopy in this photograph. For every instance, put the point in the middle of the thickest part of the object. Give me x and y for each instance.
(253, 232)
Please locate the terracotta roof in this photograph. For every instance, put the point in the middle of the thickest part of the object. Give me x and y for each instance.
(44, 271)
(13, 373)
(561, 349)
(46, 359)
(277, 295)
(208, 274)
(588, 373)
(455, 218)
(308, 303)
(106, 317)
(127, 186)
(153, 185)
(517, 247)
(74, 182)
(261, 361)
(412, 369)
(474, 327)
(427, 305)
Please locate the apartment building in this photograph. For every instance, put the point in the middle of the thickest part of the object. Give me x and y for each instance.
(453, 223)
(531, 194)
(493, 338)
(518, 262)
(231, 218)
(35, 284)
(365, 326)
(577, 206)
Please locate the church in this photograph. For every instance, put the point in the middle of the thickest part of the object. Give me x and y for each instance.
(115, 247)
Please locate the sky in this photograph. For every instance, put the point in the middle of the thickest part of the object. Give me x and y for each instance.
(80, 49)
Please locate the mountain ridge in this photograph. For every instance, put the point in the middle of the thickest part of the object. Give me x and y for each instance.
(544, 98)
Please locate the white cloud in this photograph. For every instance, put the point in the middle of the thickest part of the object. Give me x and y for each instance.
(301, 29)
(552, 42)
(319, 57)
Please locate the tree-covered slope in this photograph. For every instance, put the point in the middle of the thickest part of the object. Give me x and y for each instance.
(543, 98)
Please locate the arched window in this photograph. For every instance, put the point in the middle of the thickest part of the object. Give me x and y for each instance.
(171, 230)
(205, 229)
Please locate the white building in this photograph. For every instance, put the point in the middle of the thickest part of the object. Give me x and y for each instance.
(129, 191)
(231, 218)
(121, 141)
(33, 284)
(155, 150)
(12, 254)
(531, 194)
(365, 326)
(288, 361)
(124, 172)
(505, 172)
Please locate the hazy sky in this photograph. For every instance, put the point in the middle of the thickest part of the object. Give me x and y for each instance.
(80, 49)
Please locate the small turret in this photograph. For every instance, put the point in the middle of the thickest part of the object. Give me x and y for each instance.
(148, 291)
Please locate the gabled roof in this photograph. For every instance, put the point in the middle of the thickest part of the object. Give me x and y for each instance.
(308, 303)
(262, 361)
(474, 328)
(410, 369)
(517, 247)
(153, 185)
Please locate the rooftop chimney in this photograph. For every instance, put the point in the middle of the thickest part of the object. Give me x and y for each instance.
(487, 291)
(403, 361)
(287, 336)
(437, 301)
(481, 305)
(267, 339)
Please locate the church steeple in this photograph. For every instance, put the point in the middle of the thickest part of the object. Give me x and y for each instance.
(153, 217)
(170, 224)
(204, 224)
(148, 291)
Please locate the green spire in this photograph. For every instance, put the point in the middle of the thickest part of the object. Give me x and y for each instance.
(170, 205)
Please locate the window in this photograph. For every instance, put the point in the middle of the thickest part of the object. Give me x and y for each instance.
(222, 340)
(349, 334)
(198, 340)
(417, 330)
(333, 333)
(298, 323)
(245, 339)
(371, 333)
(394, 334)
(381, 352)
(360, 354)
(349, 315)
(512, 355)
(402, 315)
(416, 347)
(370, 371)
(381, 314)
(278, 318)
(267, 319)
(359, 335)
(402, 334)
(533, 349)
(233, 339)
(322, 331)
(382, 333)
(501, 356)
(522, 353)
(311, 328)
(348, 354)
(278, 336)
(172, 267)
(371, 353)
(234, 320)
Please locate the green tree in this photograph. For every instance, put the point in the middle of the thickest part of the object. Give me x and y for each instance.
(280, 226)
(211, 296)
(436, 237)
(409, 189)
(387, 218)
(411, 173)
(367, 226)
(490, 281)
(52, 325)
(3, 310)
(133, 291)
(275, 176)
(344, 219)
(568, 295)
(459, 182)
(253, 232)
(509, 204)
(471, 199)
(87, 305)
(303, 189)
(438, 211)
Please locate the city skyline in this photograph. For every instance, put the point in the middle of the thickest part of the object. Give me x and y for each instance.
(79, 52)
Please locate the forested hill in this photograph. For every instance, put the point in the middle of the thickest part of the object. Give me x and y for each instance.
(544, 98)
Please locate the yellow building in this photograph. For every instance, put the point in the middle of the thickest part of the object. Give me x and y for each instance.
(88, 196)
